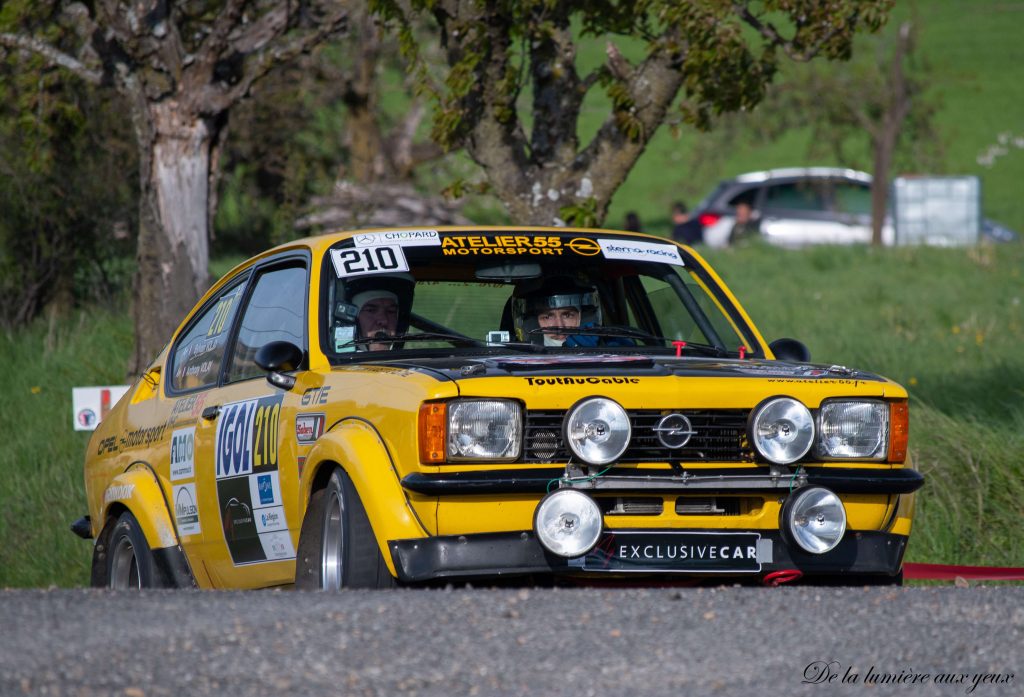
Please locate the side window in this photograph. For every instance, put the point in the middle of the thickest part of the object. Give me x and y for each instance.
(853, 198)
(197, 358)
(276, 311)
(804, 195)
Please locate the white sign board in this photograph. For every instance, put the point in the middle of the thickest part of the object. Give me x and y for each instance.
(941, 211)
(91, 404)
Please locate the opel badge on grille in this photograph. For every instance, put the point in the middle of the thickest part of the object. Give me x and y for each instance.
(674, 431)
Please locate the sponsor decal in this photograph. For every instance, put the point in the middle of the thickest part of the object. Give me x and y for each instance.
(581, 381)
(87, 419)
(584, 247)
(190, 406)
(360, 261)
(406, 238)
(315, 395)
(247, 436)
(270, 519)
(277, 545)
(183, 444)
(507, 245)
(635, 250)
(679, 552)
(119, 492)
(264, 490)
(107, 445)
(186, 509)
(301, 461)
(246, 464)
(142, 436)
(309, 427)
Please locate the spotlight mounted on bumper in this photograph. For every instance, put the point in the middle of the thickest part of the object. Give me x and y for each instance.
(815, 519)
(568, 523)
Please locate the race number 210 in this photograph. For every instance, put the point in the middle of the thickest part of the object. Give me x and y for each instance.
(365, 260)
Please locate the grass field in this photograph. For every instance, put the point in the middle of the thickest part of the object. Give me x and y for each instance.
(946, 323)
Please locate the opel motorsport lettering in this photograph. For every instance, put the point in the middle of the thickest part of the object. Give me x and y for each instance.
(408, 406)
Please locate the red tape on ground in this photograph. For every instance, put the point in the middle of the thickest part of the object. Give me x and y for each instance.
(948, 572)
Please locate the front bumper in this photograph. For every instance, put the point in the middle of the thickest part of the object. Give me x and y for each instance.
(519, 554)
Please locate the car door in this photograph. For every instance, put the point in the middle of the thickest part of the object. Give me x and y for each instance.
(796, 213)
(247, 474)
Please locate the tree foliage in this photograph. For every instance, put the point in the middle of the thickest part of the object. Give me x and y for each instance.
(512, 91)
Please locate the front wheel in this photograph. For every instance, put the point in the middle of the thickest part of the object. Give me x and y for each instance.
(337, 548)
(130, 563)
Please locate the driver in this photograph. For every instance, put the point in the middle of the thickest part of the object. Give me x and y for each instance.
(379, 307)
(543, 307)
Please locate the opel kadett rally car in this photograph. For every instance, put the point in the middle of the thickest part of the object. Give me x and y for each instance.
(381, 407)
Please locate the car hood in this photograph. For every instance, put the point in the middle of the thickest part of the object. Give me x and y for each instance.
(574, 366)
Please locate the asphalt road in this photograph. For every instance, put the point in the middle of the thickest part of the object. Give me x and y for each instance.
(679, 642)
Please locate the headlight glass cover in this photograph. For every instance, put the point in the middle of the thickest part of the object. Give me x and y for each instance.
(782, 430)
(484, 429)
(853, 430)
(597, 430)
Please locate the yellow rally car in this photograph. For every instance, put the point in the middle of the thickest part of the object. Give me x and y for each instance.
(382, 407)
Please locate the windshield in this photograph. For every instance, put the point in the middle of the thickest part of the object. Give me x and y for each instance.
(456, 292)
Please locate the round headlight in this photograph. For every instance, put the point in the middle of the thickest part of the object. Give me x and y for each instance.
(567, 523)
(815, 519)
(597, 430)
(782, 430)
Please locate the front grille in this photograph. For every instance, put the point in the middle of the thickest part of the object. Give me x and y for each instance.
(720, 436)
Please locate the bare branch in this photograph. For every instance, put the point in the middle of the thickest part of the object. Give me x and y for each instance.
(768, 31)
(53, 56)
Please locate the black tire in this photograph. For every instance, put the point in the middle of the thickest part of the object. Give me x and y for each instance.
(130, 563)
(337, 548)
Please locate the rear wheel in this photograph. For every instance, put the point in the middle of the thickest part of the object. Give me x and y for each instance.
(337, 548)
(129, 559)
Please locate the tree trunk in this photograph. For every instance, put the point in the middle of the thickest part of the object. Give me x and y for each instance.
(883, 148)
(173, 251)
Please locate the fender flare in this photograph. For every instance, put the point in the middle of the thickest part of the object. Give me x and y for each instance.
(349, 443)
(138, 490)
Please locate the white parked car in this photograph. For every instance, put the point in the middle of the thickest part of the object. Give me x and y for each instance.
(795, 207)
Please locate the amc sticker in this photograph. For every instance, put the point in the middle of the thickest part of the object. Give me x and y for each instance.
(183, 445)
(186, 509)
(309, 427)
(640, 251)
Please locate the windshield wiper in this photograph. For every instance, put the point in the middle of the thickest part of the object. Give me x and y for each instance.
(706, 349)
(420, 336)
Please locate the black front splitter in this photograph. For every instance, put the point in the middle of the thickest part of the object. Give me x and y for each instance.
(497, 555)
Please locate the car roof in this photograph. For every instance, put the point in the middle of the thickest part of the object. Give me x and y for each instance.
(799, 172)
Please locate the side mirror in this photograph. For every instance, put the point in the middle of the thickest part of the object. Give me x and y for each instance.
(790, 350)
(277, 358)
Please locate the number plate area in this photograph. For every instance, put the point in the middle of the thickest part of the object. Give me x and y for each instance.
(678, 552)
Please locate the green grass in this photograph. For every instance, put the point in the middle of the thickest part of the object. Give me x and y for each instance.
(946, 323)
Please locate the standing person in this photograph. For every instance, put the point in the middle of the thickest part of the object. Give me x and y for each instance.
(745, 226)
(685, 230)
(633, 222)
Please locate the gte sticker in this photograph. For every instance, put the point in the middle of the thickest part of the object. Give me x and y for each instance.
(634, 250)
(248, 487)
(406, 238)
(186, 509)
(309, 427)
(366, 260)
(183, 445)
